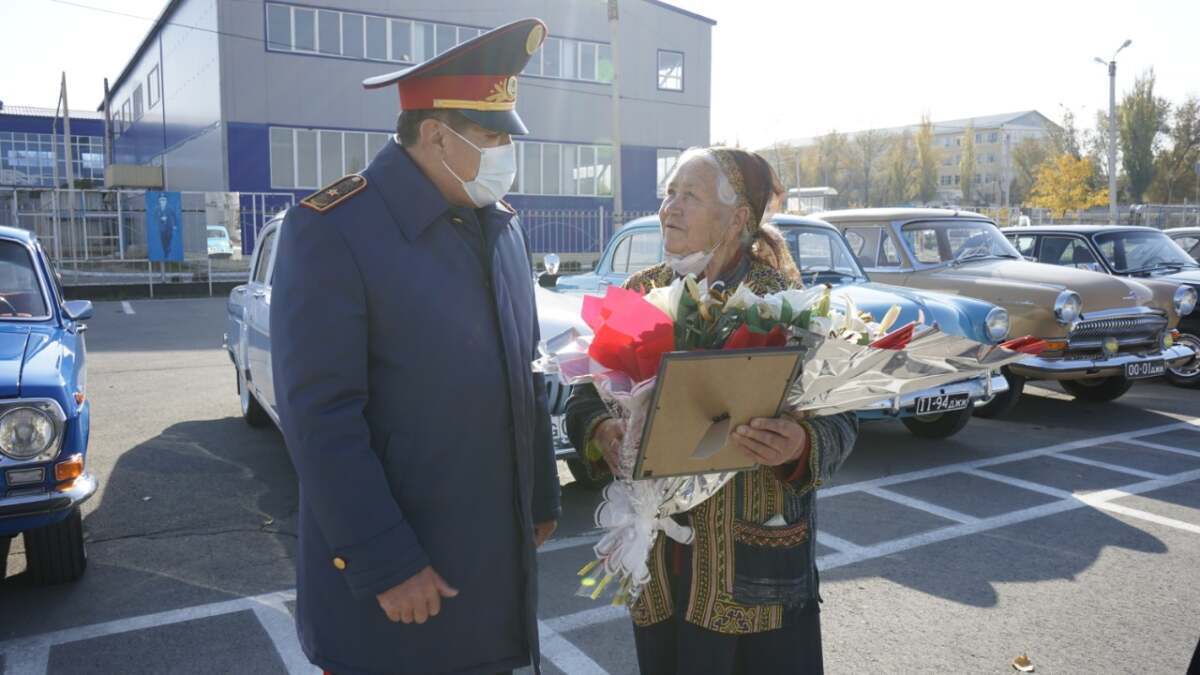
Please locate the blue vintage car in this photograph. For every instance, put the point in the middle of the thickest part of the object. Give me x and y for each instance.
(248, 339)
(823, 256)
(44, 413)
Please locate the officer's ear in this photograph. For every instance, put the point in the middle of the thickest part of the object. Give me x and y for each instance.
(432, 133)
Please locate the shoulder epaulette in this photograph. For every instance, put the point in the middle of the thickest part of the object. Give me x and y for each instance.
(506, 206)
(335, 193)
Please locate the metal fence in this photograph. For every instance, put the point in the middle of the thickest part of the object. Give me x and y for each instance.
(1161, 216)
(99, 236)
(578, 237)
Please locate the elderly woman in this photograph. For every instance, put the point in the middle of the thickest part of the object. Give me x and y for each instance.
(742, 598)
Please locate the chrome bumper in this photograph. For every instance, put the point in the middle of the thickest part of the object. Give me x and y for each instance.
(1037, 367)
(44, 502)
(978, 389)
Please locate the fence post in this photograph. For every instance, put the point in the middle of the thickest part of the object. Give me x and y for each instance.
(600, 239)
(121, 226)
(210, 291)
(150, 276)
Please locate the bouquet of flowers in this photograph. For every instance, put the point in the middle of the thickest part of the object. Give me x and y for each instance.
(850, 361)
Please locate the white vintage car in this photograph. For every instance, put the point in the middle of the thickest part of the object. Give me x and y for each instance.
(248, 340)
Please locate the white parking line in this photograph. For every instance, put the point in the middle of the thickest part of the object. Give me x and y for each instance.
(1164, 448)
(565, 655)
(570, 542)
(1105, 465)
(1017, 482)
(941, 511)
(281, 628)
(126, 307)
(1152, 517)
(837, 543)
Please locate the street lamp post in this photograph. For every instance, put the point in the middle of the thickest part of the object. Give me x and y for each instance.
(1112, 130)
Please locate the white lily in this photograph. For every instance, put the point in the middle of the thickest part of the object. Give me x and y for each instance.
(667, 298)
(743, 298)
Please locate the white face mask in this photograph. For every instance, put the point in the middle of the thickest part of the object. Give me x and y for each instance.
(497, 169)
(692, 263)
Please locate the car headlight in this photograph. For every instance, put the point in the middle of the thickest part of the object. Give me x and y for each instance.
(26, 432)
(1067, 307)
(1185, 300)
(997, 324)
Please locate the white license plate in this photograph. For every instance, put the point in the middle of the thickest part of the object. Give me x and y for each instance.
(1137, 371)
(935, 405)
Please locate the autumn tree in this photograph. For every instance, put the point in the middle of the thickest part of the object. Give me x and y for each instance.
(927, 161)
(1027, 157)
(901, 170)
(1065, 184)
(1175, 166)
(1141, 119)
(1066, 138)
(830, 159)
(966, 165)
(869, 146)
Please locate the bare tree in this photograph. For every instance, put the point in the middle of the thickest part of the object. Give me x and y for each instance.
(869, 146)
(1027, 157)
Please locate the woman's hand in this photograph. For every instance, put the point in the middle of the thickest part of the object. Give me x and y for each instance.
(772, 442)
(608, 436)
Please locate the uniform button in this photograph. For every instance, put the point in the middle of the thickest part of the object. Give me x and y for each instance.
(456, 220)
(339, 563)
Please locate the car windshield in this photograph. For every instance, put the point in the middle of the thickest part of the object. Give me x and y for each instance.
(956, 241)
(1142, 251)
(821, 255)
(21, 294)
(218, 233)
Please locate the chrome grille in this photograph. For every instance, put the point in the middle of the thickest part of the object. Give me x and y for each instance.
(1127, 329)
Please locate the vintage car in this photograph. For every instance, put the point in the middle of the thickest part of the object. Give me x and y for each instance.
(1188, 239)
(1143, 253)
(219, 244)
(44, 413)
(248, 341)
(822, 255)
(1103, 332)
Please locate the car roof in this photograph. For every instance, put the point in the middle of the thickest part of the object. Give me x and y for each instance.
(1081, 229)
(1183, 230)
(23, 236)
(809, 221)
(890, 214)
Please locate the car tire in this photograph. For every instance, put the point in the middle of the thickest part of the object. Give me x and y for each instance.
(252, 410)
(1098, 390)
(587, 475)
(944, 425)
(1188, 375)
(1002, 404)
(56, 554)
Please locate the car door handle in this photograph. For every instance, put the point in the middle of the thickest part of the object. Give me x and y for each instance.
(240, 291)
(260, 294)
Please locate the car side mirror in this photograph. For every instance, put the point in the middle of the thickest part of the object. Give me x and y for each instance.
(1030, 258)
(552, 263)
(78, 310)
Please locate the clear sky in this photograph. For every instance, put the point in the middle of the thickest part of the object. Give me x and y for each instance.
(781, 69)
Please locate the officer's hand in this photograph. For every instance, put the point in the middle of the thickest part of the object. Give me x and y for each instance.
(609, 435)
(772, 442)
(542, 531)
(417, 599)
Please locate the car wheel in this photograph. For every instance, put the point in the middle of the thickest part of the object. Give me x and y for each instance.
(588, 475)
(1187, 375)
(944, 425)
(55, 553)
(1002, 404)
(1098, 390)
(252, 410)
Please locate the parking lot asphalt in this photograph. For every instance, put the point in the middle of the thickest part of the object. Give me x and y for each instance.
(1068, 532)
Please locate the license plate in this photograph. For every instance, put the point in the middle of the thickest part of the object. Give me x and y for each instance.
(1137, 371)
(934, 405)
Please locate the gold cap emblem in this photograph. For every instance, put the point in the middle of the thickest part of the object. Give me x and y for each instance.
(536, 35)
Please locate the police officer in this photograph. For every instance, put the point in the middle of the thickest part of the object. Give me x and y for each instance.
(403, 327)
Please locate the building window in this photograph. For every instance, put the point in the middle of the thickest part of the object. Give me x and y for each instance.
(311, 158)
(377, 38)
(978, 138)
(993, 136)
(279, 27)
(563, 169)
(152, 88)
(126, 115)
(352, 35)
(670, 70)
(137, 103)
(664, 165)
(447, 38)
(587, 61)
(551, 56)
(304, 30)
(401, 41)
(330, 32)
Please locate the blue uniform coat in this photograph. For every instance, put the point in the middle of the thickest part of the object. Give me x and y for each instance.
(401, 355)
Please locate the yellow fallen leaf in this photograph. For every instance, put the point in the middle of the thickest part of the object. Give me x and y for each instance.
(1023, 664)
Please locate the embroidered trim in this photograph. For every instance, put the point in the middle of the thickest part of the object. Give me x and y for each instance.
(770, 537)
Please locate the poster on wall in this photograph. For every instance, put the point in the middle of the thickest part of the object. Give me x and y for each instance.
(164, 226)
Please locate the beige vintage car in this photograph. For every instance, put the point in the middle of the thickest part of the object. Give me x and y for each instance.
(1103, 332)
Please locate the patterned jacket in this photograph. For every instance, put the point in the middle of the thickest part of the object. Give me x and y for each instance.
(744, 572)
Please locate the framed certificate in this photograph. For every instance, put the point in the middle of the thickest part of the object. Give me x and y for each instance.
(701, 397)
